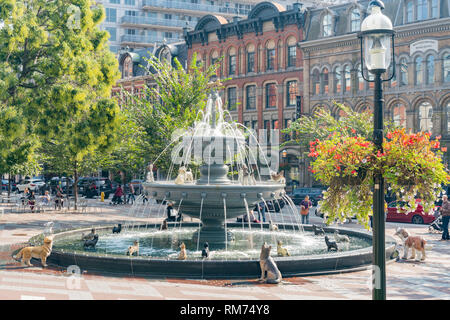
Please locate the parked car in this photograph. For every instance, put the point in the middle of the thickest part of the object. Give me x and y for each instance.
(5, 185)
(32, 184)
(275, 205)
(101, 185)
(66, 184)
(402, 214)
(299, 194)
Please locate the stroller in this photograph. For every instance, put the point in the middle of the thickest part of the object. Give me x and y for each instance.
(117, 200)
(436, 225)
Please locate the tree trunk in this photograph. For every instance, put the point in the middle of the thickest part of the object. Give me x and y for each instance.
(9, 185)
(75, 186)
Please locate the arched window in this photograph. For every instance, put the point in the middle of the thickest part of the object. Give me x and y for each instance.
(422, 9)
(337, 80)
(360, 79)
(347, 79)
(127, 70)
(418, 70)
(271, 95)
(446, 65)
(326, 25)
(448, 116)
(425, 116)
(409, 11)
(355, 22)
(325, 81)
(315, 82)
(403, 68)
(399, 115)
(430, 69)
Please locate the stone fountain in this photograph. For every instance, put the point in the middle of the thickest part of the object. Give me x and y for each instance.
(214, 198)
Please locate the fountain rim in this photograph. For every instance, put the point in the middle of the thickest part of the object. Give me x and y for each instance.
(361, 258)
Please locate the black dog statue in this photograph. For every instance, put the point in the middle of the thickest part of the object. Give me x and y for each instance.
(118, 228)
(331, 244)
(90, 244)
(205, 251)
(318, 230)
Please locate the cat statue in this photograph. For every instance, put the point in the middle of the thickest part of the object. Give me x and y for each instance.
(268, 266)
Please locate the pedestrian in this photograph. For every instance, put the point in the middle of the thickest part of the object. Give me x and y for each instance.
(261, 209)
(445, 212)
(117, 198)
(32, 201)
(59, 200)
(169, 210)
(304, 210)
(131, 194)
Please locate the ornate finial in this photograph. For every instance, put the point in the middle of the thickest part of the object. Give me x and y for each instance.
(376, 3)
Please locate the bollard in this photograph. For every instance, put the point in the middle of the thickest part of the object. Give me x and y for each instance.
(102, 197)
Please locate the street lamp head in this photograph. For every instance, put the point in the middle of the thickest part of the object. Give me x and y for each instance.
(377, 36)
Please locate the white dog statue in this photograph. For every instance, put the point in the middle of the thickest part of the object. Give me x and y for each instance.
(150, 177)
(181, 178)
(189, 177)
(277, 177)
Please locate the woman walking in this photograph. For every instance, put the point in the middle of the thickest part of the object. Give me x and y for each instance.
(304, 210)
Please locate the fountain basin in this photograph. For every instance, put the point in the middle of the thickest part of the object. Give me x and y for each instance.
(323, 263)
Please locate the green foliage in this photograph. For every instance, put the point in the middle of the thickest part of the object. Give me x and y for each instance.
(171, 104)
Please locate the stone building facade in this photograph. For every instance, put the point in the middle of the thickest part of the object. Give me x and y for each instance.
(418, 98)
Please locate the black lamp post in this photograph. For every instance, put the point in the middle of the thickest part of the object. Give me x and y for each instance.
(377, 45)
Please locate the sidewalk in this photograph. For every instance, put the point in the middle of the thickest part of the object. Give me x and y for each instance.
(405, 279)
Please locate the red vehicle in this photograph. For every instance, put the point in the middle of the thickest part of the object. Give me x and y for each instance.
(403, 215)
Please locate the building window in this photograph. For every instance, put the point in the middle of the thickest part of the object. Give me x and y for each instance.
(270, 59)
(267, 124)
(271, 95)
(355, 20)
(130, 2)
(361, 81)
(434, 9)
(409, 12)
(168, 16)
(347, 79)
(168, 35)
(113, 33)
(111, 15)
(418, 70)
(422, 9)
(425, 117)
(292, 56)
(292, 92)
(326, 25)
(250, 93)
(254, 124)
(403, 72)
(448, 116)
(315, 82)
(399, 115)
(131, 13)
(250, 62)
(337, 80)
(127, 70)
(446, 66)
(114, 1)
(325, 81)
(232, 99)
(231, 65)
(430, 69)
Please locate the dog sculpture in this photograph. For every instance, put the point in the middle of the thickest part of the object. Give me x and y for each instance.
(205, 251)
(318, 230)
(89, 236)
(410, 242)
(181, 178)
(133, 249)
(189, 177)
(48, 228)
(150, 177)
(341, 237)
(269, 269)
(117, 229)
(278, 177)
(183, 253)
(282, 252)
(39, 252)
(272, 226)
(331, 245)
(90, 244)
(245, 177)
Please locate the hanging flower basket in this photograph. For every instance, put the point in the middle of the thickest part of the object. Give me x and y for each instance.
(355, 178)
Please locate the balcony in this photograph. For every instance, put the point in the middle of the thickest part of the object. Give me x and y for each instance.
(156, 23)
(131, 39)
(194, 8)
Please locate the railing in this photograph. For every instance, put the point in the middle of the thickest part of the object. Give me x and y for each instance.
(193, 6)
(146, 39)
(156, 22)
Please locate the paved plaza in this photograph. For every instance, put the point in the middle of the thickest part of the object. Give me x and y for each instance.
(405, 279)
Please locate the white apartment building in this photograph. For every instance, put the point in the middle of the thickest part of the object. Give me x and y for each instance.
(142, 23)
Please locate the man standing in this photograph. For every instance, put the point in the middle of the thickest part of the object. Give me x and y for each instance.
(445, 212)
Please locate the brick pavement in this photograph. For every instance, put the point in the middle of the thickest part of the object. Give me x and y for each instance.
(405, 279)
